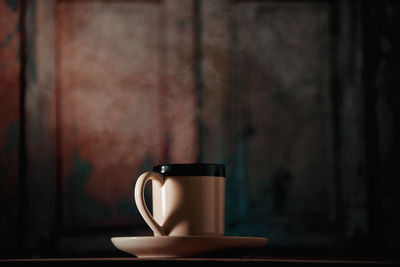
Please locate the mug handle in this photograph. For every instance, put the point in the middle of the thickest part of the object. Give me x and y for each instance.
(141, 204)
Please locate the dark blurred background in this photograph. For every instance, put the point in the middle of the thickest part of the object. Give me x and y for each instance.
(299, 99)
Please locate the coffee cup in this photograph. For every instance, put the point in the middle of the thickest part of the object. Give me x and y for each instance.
(187, 199)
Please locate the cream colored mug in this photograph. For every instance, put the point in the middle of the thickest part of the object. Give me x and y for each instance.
(188, 199)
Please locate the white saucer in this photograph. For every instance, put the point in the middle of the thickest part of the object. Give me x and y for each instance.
(183, 246)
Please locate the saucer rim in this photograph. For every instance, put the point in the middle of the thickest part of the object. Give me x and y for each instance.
(174, 246)
(192, 237)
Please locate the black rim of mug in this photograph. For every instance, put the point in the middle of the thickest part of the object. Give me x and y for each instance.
(191, 169)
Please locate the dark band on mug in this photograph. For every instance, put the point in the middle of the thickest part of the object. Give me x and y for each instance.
(191, 169)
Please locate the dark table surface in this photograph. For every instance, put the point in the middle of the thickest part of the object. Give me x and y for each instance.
(197, 261)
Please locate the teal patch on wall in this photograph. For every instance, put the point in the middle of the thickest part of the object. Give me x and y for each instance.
(12, 137)
(80, 207)
(12, 4)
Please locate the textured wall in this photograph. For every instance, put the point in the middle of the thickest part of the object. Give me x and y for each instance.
(297, 98)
